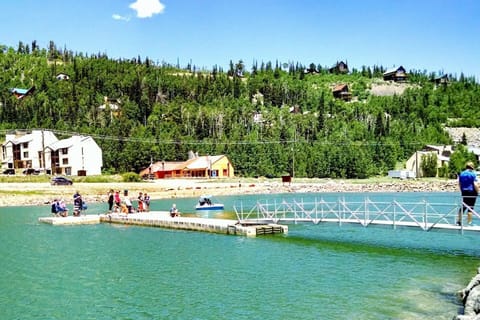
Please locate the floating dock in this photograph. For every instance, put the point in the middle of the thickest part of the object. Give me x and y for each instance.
(163, 220)
(71, 220)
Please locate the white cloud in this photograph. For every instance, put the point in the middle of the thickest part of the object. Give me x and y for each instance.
(147, 8)
(119, 17)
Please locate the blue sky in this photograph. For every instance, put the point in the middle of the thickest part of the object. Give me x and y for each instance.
(432, 35)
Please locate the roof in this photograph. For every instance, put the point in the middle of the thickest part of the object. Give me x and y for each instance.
(202, 162)
(166, 165)
(19, 90)
(66, 143)
(339, 63)
(394, 70)
(60, 144)
(20, 139)
(340, 87)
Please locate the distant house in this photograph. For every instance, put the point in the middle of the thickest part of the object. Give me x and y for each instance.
(62, 76)
(312, 69)
(441, 80)
(257, 98)
(77, 155)
(23, 149)
(397, 74)
(341, 92)
(258, 118)
(414, 163)
(294, 109)
(21, 93)
(339, 67)
(196, 167)
(111, 105)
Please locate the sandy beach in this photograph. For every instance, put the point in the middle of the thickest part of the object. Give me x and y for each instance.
(19, 193)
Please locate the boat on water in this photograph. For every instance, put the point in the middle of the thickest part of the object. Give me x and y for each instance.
(206, 202)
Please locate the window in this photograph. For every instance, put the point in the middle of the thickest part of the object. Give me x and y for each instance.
(65, 161)
(25, 145)
(64, 150)
(25, 154)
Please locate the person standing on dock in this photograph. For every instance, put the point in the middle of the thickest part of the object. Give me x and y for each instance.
(116, 198)
(110, 200)
(140, 202)
(467, 182)
(146, 202)
(128, 203)
(77, 204)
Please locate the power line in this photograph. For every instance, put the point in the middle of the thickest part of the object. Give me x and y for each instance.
(203, 142)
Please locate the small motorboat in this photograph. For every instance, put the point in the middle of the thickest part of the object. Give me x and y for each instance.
(206, 202)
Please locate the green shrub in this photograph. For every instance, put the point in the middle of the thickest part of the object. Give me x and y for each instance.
(131, 177)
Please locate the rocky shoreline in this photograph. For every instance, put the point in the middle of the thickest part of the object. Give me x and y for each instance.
(19, 194)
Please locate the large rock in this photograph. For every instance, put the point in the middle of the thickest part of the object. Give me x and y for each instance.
(470, 297)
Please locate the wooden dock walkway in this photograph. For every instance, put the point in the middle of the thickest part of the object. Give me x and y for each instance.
(162, 219)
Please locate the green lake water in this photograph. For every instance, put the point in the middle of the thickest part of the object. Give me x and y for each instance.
(315, 272)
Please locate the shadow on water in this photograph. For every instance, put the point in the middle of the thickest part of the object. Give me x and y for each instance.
(383, 240)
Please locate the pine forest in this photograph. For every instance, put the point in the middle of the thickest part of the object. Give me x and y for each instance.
(270, 119)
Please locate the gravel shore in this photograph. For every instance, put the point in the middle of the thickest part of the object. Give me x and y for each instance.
(18, 194)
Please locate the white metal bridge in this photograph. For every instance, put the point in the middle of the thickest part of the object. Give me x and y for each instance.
(419, 214)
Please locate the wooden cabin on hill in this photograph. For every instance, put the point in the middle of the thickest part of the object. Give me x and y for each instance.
(339, 67)
(397, 74)
(441, 80)
(20, 93)
(341, 92)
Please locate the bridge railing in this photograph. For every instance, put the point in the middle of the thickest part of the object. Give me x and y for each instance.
(423, 214)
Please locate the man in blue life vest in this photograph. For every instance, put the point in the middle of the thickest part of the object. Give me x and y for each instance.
(467, 182)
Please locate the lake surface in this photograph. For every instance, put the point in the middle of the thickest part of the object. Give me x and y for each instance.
(315, 272)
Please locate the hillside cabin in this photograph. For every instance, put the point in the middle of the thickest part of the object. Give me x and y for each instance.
(339, 67)
(111, 105)
(62, 77)
(441, 80)
(341, 92)
(20, 93)
(395, 74)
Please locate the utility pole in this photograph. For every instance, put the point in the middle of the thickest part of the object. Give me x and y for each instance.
(293, 151)
(43, 152)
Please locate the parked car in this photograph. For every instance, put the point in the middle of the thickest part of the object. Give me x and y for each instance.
(31, 171)
(9, 171)
(61, 181)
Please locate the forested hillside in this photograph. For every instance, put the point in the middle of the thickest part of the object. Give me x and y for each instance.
(273, 119)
